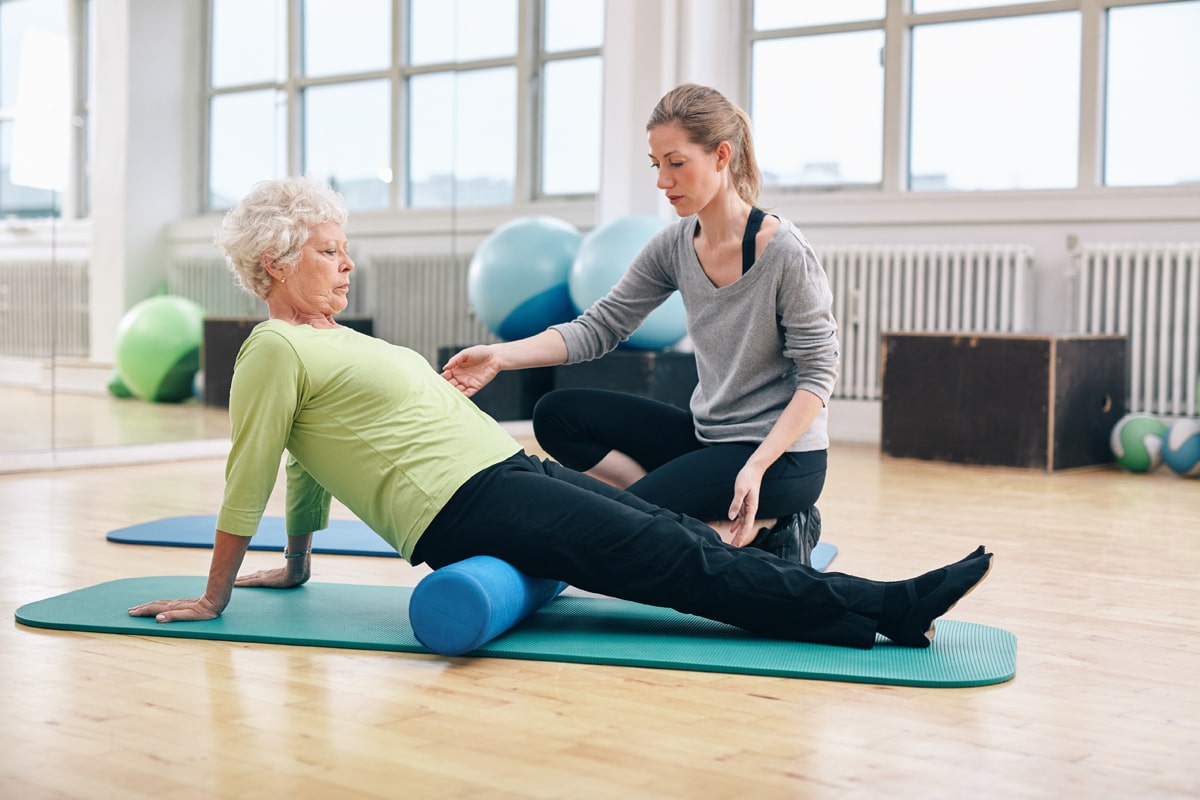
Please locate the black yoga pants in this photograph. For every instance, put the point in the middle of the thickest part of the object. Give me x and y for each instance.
(552, 522)
(578, 427)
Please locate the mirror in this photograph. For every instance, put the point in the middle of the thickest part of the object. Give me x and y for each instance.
(33, 70)
(53, 396)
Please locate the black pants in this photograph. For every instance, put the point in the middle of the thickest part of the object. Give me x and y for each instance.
(552, 522)
(578, 427)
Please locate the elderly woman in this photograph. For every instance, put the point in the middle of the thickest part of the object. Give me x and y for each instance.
(375, 426)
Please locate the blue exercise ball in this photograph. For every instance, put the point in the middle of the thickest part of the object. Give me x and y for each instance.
(1181, 447)
(604, 255)
(517, 279)
(157, 349)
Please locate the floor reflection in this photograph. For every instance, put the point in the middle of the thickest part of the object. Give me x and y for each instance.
(34, 420)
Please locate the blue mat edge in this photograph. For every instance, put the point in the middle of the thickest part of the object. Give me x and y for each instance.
(504, 646)
(199, 529)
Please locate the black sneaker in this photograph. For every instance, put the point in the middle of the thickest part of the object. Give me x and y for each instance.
(792, 538)
(812, 528)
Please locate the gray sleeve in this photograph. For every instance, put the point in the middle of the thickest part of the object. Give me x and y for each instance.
(646, 285)
(805, 308)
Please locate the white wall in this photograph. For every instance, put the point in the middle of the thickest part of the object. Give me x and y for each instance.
(143, 167)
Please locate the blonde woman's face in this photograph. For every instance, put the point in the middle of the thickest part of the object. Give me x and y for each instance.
(688, 176)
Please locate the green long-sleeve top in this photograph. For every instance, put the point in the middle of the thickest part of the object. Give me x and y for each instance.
(367, 422)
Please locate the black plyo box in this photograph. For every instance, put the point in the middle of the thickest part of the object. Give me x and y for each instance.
(1021, 400)
(665, 375)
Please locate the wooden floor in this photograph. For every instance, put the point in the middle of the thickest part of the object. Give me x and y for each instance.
(1097, 573)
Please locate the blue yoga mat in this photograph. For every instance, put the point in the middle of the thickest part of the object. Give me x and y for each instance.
(342, 537)
(569, 629)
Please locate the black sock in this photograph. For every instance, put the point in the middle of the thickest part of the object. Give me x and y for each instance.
(933, 593)
(897, 601)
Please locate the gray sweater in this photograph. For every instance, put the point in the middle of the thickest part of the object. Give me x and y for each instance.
(756, 340)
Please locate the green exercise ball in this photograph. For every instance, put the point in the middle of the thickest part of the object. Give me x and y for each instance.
(1136, 442)
(158, 348)
(117, 387)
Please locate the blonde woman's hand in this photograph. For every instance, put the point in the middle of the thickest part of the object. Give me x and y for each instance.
(744, 508)
(471, 369)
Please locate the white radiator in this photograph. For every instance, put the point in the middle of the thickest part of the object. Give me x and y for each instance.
(210, 284)
(921, 288)
(1151, 294)
(421, 302)
(44, 308)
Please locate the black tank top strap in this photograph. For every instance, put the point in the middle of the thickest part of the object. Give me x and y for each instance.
(752, 226)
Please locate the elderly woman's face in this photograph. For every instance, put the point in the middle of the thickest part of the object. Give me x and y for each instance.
(321, 279)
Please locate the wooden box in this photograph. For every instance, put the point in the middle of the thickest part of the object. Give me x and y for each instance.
(1015, 400)
(664, 375)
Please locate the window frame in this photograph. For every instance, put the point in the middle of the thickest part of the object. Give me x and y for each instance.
(537, 115)
(529, 62)
(898, 23)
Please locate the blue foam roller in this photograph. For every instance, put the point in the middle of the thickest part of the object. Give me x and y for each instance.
(462, 606)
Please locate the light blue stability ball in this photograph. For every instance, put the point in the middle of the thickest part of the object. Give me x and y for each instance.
(517, 279)
(604, 255)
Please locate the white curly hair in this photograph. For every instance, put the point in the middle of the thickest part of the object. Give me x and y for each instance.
(275, 217)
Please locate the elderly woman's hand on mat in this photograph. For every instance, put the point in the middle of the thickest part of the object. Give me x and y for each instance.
(191, 610)
(295, 571)
(228, 552)
(202, 608)
(278, 578)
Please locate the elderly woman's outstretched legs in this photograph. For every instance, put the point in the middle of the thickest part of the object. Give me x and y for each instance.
(549, 521)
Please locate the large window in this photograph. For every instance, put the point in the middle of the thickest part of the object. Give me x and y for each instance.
(462, 109)
(406, 103)
(247, 109)
(818, 109)
(817, 92)
(44, 113)
(572, 35)
(984, 119)
(980, 94)
(1152, 117)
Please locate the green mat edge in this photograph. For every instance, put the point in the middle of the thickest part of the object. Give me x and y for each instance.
(503, 646)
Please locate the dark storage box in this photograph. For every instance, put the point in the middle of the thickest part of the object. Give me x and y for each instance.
(1014, 400)
(668, 376)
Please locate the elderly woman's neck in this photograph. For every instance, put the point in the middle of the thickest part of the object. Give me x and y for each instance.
(295, 316)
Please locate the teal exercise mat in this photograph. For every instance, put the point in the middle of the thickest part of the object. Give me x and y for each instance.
(343, 537)
(584, 630)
